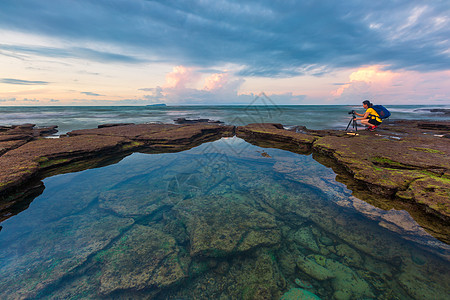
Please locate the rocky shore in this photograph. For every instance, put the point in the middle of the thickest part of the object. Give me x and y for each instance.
(403, 165)
(27, 156)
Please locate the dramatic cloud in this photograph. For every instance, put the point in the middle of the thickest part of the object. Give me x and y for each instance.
(386, 86)
(368, 76)
(179, 77)
(264, 38)
(22, 82)
(218, 88)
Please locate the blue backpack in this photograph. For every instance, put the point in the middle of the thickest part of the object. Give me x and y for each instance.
(381, 111)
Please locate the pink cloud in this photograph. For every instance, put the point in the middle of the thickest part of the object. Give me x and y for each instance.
(179, 77)
(180, 87)
(216, 81)
(371, 76)
(400, 87)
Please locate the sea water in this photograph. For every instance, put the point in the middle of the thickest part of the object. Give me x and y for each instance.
(225, 220)
(69, 118)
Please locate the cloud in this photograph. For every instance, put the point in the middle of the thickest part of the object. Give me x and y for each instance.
(22, 82)
(179, 77)
(218, 88)
(8, 100)
(367, 76)
(263, 38)
(71, 52)
(400, 87)
(91, 94)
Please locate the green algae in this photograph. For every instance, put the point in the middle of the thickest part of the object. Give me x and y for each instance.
(132, 145)
(426, 150)
(387, 162)
(46, 163)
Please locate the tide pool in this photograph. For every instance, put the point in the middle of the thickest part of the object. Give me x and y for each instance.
(225, 220)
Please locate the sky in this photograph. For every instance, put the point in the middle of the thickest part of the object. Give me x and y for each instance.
(140, 52)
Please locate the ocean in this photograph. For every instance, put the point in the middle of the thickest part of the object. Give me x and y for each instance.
(69, 118)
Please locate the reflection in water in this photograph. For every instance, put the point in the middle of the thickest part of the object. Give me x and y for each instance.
(225, 220)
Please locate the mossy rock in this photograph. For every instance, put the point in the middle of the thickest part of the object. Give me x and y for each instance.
(143, 258)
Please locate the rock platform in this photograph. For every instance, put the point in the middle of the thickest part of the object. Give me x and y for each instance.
(406, 164)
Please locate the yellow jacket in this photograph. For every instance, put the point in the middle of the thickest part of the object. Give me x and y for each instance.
(373, 114)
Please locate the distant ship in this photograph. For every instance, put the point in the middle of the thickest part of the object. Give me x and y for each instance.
(158, 105)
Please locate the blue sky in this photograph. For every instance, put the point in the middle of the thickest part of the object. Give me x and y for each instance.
(222, 52)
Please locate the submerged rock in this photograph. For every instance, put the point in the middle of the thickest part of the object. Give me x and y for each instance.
(219, 226)
(312, 268)
(348, 282)
(299, 294)
(45, 256)
(304, 237)
(144, 258)
(349, 255)
(303, 284)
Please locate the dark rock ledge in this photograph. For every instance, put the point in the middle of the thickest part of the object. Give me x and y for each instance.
(404, 165)
(26, 157)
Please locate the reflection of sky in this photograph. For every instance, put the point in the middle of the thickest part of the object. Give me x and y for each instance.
(231, 156)
(144, 52)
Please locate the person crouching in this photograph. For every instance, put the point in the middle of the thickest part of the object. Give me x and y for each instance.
(370, 118)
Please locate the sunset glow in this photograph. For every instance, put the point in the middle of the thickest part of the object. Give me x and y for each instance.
(145, 52)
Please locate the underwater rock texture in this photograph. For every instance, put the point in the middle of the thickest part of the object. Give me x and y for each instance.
(197, 225)
(152, 264)
(229, 225)
(61, 247)
(408, 160)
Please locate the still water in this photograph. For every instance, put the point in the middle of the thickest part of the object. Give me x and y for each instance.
(225, 220)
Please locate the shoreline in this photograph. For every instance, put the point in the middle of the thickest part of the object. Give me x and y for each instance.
(405, 164)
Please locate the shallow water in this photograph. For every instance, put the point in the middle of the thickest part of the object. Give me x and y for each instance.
(225, 220)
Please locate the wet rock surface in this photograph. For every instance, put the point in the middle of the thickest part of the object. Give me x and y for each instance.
(195, 121)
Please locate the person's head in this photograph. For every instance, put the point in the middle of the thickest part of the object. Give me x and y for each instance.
(367, 104)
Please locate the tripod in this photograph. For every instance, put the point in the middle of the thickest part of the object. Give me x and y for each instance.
(353, 122)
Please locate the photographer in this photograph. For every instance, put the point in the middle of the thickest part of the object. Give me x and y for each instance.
(370, 118)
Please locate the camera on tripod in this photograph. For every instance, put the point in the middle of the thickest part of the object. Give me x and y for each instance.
(352, 121)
